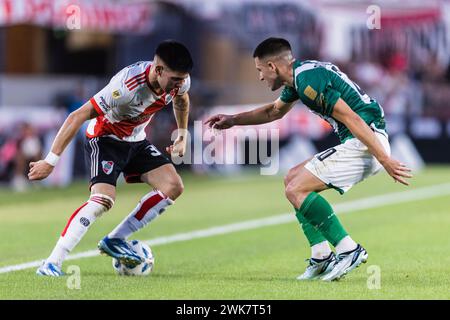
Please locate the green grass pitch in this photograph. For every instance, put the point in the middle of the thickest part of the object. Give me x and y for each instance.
(407, 242)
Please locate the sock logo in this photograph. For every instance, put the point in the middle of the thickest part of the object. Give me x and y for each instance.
(85, 221)
(107, 166)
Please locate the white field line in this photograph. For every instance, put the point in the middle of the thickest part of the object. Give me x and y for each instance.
(345, 207)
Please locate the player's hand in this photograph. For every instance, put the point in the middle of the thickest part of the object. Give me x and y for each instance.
(397, 170)
(39, 170)
(178, 148)
(220, 121)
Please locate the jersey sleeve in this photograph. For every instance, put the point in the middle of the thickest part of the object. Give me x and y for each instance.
(288, 94)
(185, 87)
(316, 91)
(113, 95)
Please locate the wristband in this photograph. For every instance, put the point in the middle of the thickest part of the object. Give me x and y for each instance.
(51, 159)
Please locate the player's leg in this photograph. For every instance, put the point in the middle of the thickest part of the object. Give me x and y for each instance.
(165, 179)
(357, 165)
(340, 168)
(302, 192)
(100, 201)
(166, 187)
(105, 166)
(299, 183)
(148, 165)
(319, 245)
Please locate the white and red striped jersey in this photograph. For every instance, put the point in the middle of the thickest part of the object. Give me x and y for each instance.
(127, 104)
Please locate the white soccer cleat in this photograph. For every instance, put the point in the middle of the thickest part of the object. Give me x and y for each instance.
(49, 269)
(346, 262)
(318, 268)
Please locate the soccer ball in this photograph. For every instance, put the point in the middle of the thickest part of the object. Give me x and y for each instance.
(141, 269)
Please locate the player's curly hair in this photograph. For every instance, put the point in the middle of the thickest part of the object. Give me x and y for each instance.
(270, 47)
(175, 55)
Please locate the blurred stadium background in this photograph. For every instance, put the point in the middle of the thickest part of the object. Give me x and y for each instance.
(47, 70)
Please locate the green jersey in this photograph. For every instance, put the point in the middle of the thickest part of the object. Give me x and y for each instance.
(319, 85)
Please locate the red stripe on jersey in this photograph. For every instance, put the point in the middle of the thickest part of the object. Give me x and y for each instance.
(71, 218)
(147, 205)
(142, 77)
(96, 107)
(97, 127)
(119, 129)
(136, 85)
(147, 72)
(137, 76)
(125, 128)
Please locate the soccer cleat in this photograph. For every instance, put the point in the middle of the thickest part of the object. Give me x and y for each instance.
(346, 262)
(121, 250)
(318, 267)
(49, 269)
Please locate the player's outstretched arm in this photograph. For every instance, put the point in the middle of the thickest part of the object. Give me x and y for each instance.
(343, 113)
(181, 111)
(267, 113)
(41, 169)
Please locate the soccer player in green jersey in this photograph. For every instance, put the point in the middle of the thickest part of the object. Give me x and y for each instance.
(359, 122)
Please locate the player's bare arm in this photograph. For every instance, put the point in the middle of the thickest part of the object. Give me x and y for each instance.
(42, 169)
(267, 113)
(181, 111)
(343, 113)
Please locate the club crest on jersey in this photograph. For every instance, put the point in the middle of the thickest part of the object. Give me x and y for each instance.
(107, 166)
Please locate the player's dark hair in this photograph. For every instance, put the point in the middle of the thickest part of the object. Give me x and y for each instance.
(271, 47)
(175, 55)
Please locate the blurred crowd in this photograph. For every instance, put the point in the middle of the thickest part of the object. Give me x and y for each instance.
(400, 66)
(17, 150)
(403, 89)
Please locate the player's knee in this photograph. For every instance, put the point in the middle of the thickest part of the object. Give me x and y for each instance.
(103, 202)
(290, 175)
(286, 180)
(295, 194)
(174, 187)
(177, 188)
(289, 192)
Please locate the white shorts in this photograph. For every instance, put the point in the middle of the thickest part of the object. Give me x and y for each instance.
(345, 165)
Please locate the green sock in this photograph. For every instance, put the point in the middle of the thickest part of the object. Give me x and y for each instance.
(311, 233)
(318, 212)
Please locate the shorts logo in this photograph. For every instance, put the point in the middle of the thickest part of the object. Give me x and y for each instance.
(107, 166)
(85, 221)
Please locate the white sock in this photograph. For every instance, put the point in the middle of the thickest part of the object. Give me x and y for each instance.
(321, 250)
(78, 225)
(346, 244)
(148, 208)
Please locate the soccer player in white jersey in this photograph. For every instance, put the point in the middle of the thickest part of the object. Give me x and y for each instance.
(359, 122)
(116, 143)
